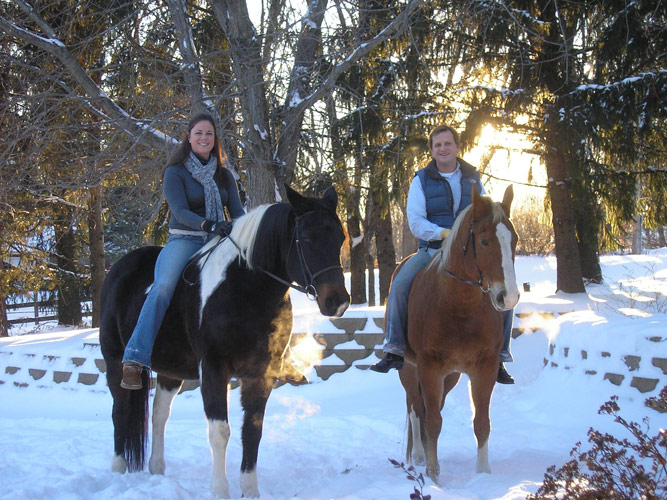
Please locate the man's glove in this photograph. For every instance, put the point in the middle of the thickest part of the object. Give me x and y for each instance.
(220, 228)
(444, 233)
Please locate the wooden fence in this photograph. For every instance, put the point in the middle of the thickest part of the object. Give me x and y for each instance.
(39, 311)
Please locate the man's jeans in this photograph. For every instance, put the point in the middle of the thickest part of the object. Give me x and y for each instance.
(397, 307)
(170, 263)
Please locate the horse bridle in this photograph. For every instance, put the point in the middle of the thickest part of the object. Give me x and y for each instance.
(471, 241)
(309, 290)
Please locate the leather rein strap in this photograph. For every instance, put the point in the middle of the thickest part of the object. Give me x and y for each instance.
(309, 290)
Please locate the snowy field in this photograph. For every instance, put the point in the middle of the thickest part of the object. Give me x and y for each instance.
(333, 439)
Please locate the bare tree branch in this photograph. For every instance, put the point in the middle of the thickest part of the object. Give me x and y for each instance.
(51, 44)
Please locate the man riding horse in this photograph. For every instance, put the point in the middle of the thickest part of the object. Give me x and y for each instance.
(438, 193)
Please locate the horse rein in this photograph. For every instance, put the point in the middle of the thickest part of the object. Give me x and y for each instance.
(309, 290)
(471, 239)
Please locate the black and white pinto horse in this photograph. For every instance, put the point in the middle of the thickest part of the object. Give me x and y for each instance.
(230, 316)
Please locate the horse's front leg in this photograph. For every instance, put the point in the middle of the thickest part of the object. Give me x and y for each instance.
(165, 392)
(415, 452)
(481, 388)
(431, 382)
(214, 381)
(254, 395)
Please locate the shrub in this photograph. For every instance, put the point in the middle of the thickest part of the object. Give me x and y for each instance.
(532, 221)
(613, 468)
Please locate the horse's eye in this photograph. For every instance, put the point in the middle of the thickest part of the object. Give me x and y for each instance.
(485, 243)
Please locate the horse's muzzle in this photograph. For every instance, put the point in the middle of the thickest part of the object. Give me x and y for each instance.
(503, 299)
(333, 299)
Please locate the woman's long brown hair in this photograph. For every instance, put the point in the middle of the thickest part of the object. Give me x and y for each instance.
(182, 152)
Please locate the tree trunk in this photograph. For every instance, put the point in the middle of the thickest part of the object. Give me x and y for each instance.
(637, 244)
(369, 233)
(97, 258)
(259, 164)
(384, 242)
(4, 322)
(409, 244)
(370, 268)
(358, 252)
(69, 291)
(587, 236)
(308, 48)
(568, 271)
(662, 241)
(351, 199)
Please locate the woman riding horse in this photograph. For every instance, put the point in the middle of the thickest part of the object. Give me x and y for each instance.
(198, 188)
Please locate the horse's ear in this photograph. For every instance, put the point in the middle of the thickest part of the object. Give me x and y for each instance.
(300, 203)
(330, 199)
(507, 199)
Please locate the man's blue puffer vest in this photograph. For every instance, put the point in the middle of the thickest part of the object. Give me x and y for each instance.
(439, 199)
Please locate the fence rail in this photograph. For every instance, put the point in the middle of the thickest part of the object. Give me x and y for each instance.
(32, 313)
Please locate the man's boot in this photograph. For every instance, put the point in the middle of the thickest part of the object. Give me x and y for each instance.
(503, 376)
(389, 362)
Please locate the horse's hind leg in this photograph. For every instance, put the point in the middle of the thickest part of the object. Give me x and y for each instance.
(165, 391)
(481, 387)
(254, 395)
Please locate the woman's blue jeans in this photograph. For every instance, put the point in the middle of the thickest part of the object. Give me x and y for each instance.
(397, 307)
(170, 263)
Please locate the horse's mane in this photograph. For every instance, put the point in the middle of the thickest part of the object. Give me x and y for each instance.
(441, 257)
(216, 255)
(276, 236)
(244, 234)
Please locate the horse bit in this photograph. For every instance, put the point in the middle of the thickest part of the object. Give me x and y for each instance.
(471, 238)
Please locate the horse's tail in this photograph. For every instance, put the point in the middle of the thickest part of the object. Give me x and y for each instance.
(134, 435)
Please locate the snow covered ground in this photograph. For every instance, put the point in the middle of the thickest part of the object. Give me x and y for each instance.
(332, 439)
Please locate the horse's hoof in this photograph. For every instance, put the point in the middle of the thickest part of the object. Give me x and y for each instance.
(220, 489)
(118, 464)
(156, 467)
(433, 472)
(249, 484)
(483, 469)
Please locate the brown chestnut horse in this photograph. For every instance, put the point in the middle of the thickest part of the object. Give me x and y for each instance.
(455, 325)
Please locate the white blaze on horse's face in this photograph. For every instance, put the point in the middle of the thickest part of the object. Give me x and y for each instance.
(504, 296)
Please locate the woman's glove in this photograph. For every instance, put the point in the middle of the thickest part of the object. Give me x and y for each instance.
(444, 233)
(220, 228)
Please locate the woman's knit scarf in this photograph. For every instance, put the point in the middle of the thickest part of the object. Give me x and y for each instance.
(204, 175)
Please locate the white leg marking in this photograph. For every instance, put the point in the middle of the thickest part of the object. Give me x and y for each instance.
(418, 452)
(161, 411)
(249, 484)
(505, 239)
(218, 437)
(483, 458)
(118, 464)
